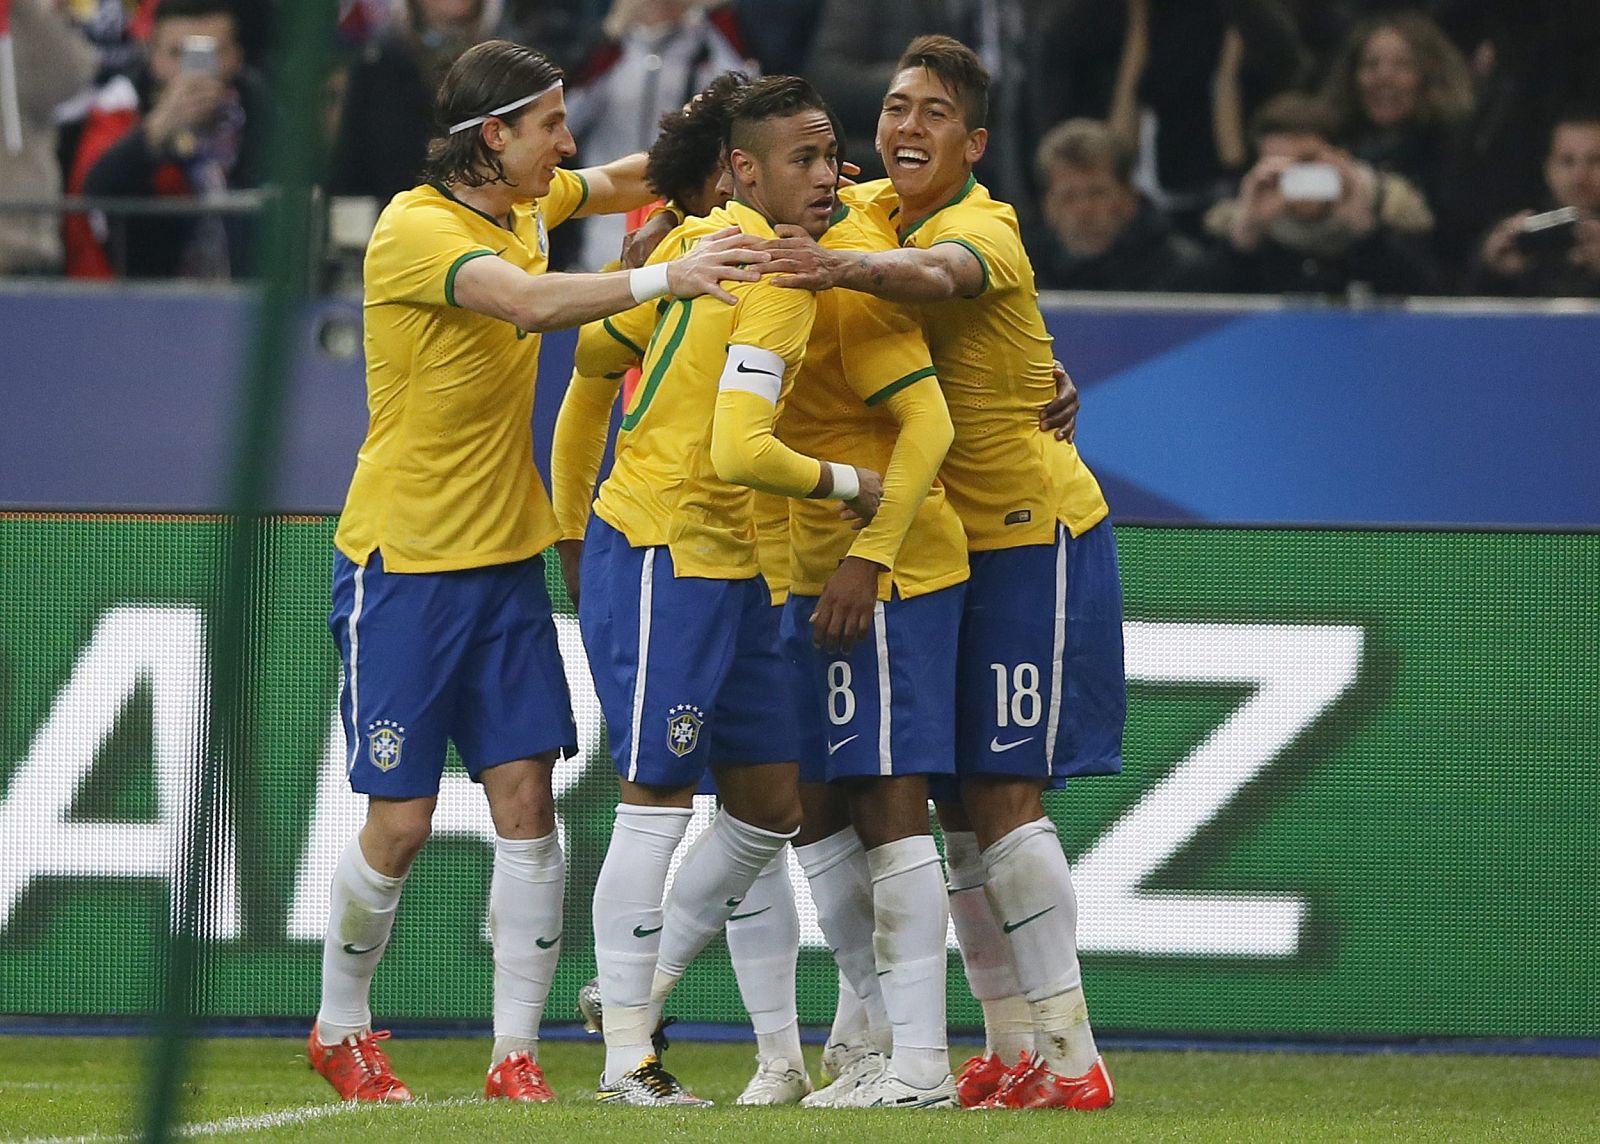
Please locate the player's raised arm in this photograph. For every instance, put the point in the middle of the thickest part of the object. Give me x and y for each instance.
(937, 274)
(539, 302)
(615, 187)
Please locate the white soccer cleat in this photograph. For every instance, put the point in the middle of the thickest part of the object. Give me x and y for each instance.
(888, 1091)
(837, 1056)
(865, 1069)
(776, 1082)
(649, 1086)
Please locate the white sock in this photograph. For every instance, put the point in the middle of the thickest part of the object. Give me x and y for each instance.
(764, 945)
(1030, 885)
(360, 918)
(712, 881)
(627, 925)
(841, 886)
(525, 921)
(909, 903)
(850, 1025)
(1007, 1020)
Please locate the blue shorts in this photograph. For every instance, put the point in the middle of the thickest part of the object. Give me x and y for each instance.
(469, 657)
(888, 706)
(686, 668)
(1040, 679)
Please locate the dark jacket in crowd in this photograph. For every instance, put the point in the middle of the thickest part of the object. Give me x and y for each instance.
(386, 120)
(1147, 255)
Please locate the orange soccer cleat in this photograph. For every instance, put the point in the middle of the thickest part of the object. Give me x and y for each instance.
(357, 1068)
(978, 1078)
(517, 1078)
(1031, 1085)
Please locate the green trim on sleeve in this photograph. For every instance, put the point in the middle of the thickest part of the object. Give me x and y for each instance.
(605, 324)
(895, 387)
(975, 253)
(450, 275)
(585, 197)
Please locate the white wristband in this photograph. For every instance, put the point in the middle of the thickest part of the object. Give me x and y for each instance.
(846, 484)
(648, 282)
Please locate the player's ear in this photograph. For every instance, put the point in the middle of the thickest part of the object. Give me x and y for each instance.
(743, 165)
(977, 144)
(494, 131)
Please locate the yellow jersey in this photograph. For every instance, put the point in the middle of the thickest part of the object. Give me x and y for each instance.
(1009, 481)
(445, 478)
(867, 383)
(664, 487)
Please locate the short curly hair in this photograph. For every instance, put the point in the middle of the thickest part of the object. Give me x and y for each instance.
(688, 150)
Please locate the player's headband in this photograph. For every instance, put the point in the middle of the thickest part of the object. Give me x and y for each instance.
(512, 106)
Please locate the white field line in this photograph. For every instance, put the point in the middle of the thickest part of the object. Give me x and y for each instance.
(262, 1122)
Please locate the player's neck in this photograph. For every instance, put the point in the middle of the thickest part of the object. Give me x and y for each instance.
(915, 208)
(492, 199)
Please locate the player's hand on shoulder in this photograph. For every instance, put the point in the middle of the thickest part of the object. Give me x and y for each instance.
(811, 265)
(640, 243)
(729, 255)
(864, 505)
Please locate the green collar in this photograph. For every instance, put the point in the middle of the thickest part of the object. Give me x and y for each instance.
(507, 223)
(966, 189)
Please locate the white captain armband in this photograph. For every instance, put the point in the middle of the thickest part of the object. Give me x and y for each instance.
(648, 282)
(753, 370)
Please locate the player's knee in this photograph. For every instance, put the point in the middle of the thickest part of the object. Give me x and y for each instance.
(391, 841)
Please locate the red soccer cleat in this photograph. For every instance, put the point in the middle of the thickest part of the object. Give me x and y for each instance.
(1034, 1086)
(517, 1078)
(357, 1068)
(978, 1078)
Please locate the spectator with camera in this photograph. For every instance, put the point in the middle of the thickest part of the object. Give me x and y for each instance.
(196, 130)
(1099, 232)
(1554, 253)
(1311, 218)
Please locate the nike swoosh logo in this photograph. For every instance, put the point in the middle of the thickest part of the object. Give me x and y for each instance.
(1000, 748)
(349, 947)
(546, 943)
(832, 747)
(1012, 927)
(742, 368)
(751, 914)
(640, 931)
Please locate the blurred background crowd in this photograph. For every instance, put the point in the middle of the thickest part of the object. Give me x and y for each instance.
(1344, 148)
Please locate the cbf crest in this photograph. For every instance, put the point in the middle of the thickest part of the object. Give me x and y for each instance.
(544, 235)
(683, 728)
(385, 741)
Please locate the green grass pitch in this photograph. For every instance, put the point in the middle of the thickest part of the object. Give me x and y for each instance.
(92, 1089)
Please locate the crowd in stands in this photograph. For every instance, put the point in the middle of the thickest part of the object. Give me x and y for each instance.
(1345, 148)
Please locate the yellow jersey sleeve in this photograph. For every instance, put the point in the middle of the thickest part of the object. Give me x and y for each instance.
(617, 343)
(569, 190)
(990, 241)
(578, 447)
(415, 254)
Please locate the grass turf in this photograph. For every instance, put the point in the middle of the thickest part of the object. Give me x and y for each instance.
(93, 1088)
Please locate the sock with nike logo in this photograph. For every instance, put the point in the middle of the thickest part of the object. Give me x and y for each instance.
(710, 886)
(911, 917)
(525, 924)
(1007, 1020)
(764, 946)
(360, 917)
(627, 925)
(841, 886)
(1030, 887)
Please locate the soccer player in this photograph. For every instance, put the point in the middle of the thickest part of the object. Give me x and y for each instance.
(686, 166)
(675, 617)
(1040, 675)
(439, 607)
(871, 626)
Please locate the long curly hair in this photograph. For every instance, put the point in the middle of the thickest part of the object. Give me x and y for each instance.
(1445, 91)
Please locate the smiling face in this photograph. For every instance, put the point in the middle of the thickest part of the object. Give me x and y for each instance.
(789, 169)
(924, 140)
(1388, 78)
(534, 145)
